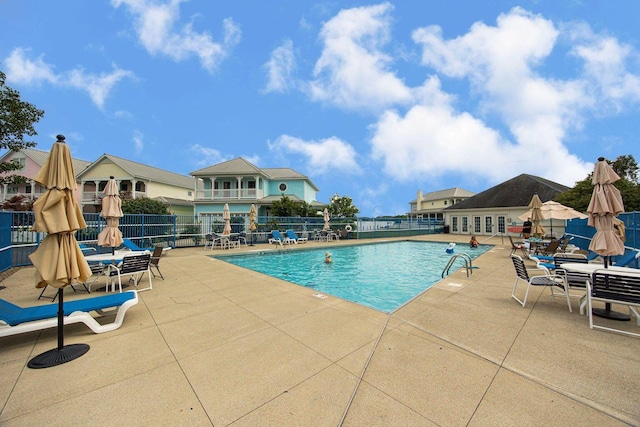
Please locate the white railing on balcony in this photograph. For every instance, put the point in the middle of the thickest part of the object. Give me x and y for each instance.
(243, 193)
(92, 197)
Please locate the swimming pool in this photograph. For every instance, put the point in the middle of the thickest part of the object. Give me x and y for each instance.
(383, 276)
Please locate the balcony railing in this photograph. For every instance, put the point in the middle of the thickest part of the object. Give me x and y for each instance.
(243, 194)
(92, 197)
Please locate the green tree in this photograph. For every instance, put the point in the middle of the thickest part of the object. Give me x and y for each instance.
(289, 207)
(626, 167)
(144, 205)
(342, 207)
(17, 118)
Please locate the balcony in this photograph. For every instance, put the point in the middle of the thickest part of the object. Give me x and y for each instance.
(91, 197)
(239, 194)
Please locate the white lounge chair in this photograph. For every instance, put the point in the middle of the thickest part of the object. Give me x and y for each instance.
(17, 320)
(277, 237)
(291, 235)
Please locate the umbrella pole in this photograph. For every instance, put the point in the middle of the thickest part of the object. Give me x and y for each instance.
(61, 354)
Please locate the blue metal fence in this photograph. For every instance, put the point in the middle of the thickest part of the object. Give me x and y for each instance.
(18, 240)
(582, 233)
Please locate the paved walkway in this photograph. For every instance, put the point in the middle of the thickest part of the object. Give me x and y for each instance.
(215, 344)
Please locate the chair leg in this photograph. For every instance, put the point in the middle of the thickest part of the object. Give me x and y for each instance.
(157, 268)
(51, 298)
(513, 293)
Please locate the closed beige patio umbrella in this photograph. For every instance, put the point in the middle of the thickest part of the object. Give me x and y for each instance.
(252, 222)
(535, 204)
(605, 204)
(325, 214)
(111, 236)
(226, 215)
(59, 261)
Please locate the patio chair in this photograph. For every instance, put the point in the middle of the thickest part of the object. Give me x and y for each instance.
(294, 237)
(614, 289)
(552, 281)
(86, 249)
(519, 246)
(18, 320)
(277, 237)
(550, 249)
(73, 286)
(573, 279)
(128, 243)
(154, 262)
(627, 259)
(133, 266)
(564, 243)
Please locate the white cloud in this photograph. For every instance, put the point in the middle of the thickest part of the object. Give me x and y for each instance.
(324, 156)
(21, 69)
(500, 62)
(605, 64)
(138, 141)
(353, 72)
(280, 68)
(155, 24)
(206, 156)
(97, 86)
(123, 115)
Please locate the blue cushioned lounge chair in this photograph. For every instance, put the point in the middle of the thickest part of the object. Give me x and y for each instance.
(627, 259)
(17, 320)
(128, 243)
(277, 237)
(294, 237)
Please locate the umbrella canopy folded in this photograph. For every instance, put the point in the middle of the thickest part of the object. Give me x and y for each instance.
(536, 216)
(252, 218)
(58, 259)
(226, 215)
(606, 203)
(325, 214)
(111, 236)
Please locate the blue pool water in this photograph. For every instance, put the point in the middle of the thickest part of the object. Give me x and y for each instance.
(383, 276)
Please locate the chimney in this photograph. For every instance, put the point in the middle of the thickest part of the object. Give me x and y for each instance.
(419, 200)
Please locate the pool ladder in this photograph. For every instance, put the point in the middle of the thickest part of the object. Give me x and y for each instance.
(467, 264)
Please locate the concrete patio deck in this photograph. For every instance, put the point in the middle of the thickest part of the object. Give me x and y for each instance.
(215, 344)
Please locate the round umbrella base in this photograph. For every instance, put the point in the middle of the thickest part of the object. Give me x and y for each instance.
(58, 356)
(609, 314)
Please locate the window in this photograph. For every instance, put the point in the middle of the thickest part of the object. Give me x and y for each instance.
(139, 186)
(189, 193)
(488, 224)
(27, 189)
(445, 203)
(251, 184)
(282, 187)
(22, 161)
(476, 224)
(12, 189)
(454, 224)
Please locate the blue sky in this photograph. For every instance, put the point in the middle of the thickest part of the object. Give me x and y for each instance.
(372, 100)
